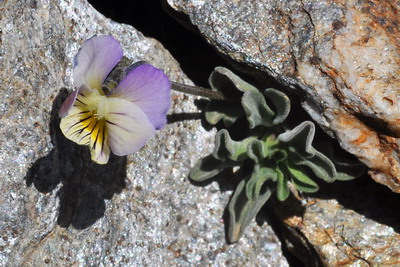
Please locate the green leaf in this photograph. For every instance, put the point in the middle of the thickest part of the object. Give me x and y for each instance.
(320, 165)
(300, 138)
(301, 180)
(243, 210)
(227, 111)
(257, 150)
(257, 110)
(208, 167)
(283, 188)
(281, 102)
(347, 166)
(278, 155)
(341, 176)
(259, 176)
(231, 85)
(225, 147)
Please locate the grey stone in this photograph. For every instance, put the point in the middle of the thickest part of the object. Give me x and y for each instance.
(352, 224)
(60, 209)
(341, 56)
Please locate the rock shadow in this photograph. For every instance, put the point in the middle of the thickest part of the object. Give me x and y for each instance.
(366, 197)
(85, 185)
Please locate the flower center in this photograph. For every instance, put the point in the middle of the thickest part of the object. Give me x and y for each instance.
(97, 105)
(102, 108)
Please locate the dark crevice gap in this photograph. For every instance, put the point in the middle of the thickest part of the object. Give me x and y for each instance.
(196, 58)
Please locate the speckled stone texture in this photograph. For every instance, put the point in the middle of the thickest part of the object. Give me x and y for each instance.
(57, 208)
(342, 57)
(343, 224)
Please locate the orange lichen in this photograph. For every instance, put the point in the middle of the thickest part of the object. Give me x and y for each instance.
(361, 139)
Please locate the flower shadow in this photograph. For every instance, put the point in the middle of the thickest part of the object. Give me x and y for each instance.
(85, 185)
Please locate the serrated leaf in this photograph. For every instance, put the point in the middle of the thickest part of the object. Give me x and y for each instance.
(242, 210)
(281, 102)
(225, 81)
(300, 138)
(208, 167)
(319, 164)
(301, 180)
(259, 176)
(227, 111)
(256, 109)
(282, 187)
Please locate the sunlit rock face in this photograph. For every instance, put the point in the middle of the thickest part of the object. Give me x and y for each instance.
(341, 56)
(57, 207)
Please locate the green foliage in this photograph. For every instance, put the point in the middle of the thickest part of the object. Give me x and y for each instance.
(278, 157)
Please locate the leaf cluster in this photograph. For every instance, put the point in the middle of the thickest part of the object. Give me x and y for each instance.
(281, 159)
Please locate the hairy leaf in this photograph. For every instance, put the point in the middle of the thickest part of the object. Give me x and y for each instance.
(257, 110)
(225, 81)
(257, 150)
(320, 165)
(227, 111)
(299, 139)
(281, 103)
(208, 167)
(282, 188)
(243, 210)
(348, 167)
(301, 180)
(259, 176)
(225, 147)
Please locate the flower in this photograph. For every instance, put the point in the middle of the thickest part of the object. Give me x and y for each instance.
(120, 121)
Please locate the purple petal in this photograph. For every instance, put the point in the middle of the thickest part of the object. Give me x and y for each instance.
(95, 60)
(149, 89)
(68, 103)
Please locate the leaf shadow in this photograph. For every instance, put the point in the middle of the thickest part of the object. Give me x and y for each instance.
(85, 185)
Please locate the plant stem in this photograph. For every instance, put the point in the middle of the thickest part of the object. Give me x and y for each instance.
(195, 90)
(186, 116)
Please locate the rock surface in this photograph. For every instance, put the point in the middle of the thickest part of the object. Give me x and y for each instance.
(344, 224)
(341, 56)
(60, 209)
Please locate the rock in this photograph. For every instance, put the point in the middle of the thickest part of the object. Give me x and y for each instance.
(352, 224)
(59, 208)
(341, 57)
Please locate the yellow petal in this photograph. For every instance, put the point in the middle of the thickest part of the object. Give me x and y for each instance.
(78, 125)
(82, 126)
(99, 147)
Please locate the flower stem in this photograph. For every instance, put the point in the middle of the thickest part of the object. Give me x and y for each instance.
(195, 90)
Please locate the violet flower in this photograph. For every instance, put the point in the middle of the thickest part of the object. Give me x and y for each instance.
(123, 120)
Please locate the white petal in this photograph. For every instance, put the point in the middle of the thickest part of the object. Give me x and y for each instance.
(128, 127)
(95, 60)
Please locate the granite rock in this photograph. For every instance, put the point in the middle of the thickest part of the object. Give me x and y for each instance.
(60, 209)
(341, 57)
(351, 224)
